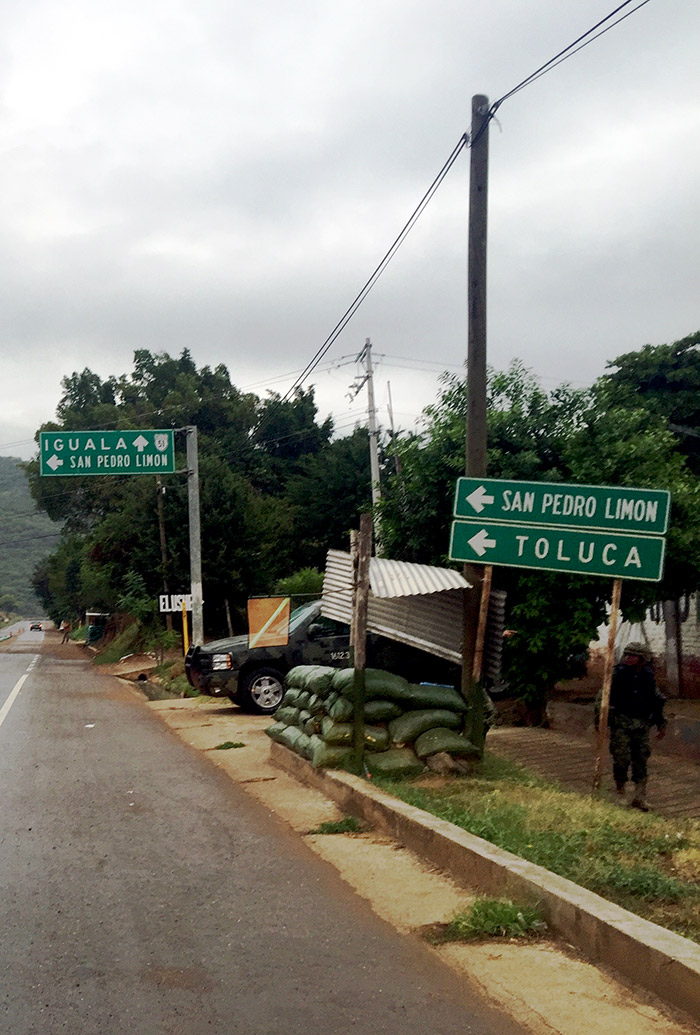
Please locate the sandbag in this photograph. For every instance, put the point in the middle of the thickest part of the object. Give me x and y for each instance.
(318, 681)
(303, 699)
(341, 710)
(381, 711)
(302, 746)
(297, 675)
(376, 738)
(312, 725)
(275, 730)
(316, 705)
(442, 739)
(328, 756)
(428, 695)
(409, 726)
(336, 732)
(291, 697)
(395, 762)
(377, 684)
(289, 716)
(290, 736)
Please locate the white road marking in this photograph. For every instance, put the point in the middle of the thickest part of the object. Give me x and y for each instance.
(15, 691)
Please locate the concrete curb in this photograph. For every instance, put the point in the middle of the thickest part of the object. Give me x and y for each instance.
(648, 955)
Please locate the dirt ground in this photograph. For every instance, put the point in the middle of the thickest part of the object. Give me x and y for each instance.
(542, 984)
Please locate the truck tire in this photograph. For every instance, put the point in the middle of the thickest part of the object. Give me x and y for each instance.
(261, 690)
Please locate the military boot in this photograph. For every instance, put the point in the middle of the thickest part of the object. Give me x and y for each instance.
(640, 797)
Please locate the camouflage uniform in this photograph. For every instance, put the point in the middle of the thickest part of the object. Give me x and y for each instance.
(635, 706)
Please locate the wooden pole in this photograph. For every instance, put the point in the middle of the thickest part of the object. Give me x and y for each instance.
(476, 441)
(483, 618)
(607, 682)
(360, 644)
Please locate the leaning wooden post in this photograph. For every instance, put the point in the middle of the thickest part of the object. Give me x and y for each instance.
(607, 681)
(483, 618)
(360, 643)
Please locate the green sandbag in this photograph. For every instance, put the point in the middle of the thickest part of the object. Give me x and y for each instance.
(336, 732)
(341, 710)
(410, 726)
(303, 699)
(297, 675)
(381, 711)
(304, 716)
(376, 738)
(319, 680)
(315, 742)
(425, 695)
(442, 739)
(377, 684)
(291, 697)
(375, 711)
(289, 737)
(312, 726)
(327, 756)
(302, 746)
(274, 731)
(331, 699)
(316, 705)
(289, 716)
(395, 762)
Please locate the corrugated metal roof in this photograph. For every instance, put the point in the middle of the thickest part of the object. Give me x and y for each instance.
(427, 617)
(403, 579)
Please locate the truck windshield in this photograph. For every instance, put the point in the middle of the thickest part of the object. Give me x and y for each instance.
(300, 614)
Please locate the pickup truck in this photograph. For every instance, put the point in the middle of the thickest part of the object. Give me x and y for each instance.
(253, 677)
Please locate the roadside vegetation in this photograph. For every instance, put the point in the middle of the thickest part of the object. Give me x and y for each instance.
(643, 862)
(489, 918)
(278, 490)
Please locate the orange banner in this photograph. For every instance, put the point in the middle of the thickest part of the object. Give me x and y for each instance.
(268, 621)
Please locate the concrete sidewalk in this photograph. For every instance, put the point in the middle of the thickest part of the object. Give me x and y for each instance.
(569, 758)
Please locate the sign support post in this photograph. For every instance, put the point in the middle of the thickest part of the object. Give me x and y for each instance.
(195, 536)
(361, 598)
(607, 682)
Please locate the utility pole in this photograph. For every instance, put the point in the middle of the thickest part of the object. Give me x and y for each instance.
(195, 536)
(476, 390)
(366, 357)
(160, 490)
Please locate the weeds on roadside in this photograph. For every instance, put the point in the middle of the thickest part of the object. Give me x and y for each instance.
(228, 744)
(348, 825)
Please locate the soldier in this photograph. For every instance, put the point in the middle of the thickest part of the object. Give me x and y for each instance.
(635, 706)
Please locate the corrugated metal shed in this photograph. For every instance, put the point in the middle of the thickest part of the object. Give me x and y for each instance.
(415, 604)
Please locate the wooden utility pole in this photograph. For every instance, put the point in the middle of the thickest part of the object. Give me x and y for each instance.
(361, 600)
(607, 683)
(195, 536)
(476, 391)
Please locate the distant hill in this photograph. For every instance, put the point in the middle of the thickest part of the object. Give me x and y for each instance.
(25, 536)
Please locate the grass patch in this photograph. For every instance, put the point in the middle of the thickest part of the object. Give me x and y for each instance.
(228, 744)
(492, 918)
(124, 643)
(643, 862)
(348, 825)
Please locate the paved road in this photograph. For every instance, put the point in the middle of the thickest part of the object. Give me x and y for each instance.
(142, 892)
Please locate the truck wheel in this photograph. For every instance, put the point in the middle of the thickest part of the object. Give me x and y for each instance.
(261, 690)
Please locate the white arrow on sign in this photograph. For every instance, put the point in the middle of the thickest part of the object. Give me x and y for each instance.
(140, 443)
(53, 462)
(479, 498)
(480, 542)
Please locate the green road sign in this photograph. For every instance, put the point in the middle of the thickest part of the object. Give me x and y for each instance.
(81, 453)
(640, 511)
(558, 549)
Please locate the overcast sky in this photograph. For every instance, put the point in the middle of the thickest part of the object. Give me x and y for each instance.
(224, 176)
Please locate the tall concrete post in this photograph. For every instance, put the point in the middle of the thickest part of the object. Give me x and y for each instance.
(195, 536)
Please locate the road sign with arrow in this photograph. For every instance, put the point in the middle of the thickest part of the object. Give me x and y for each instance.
(78, 453)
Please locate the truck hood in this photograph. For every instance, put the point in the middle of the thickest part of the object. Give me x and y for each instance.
(231, 645)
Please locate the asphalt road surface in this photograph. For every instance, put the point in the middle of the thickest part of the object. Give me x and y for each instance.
(141, 891)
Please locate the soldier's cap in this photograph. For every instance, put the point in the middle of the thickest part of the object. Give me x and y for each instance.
(640, 649)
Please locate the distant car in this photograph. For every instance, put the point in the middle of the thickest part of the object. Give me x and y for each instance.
(36, 625)
(253, 677)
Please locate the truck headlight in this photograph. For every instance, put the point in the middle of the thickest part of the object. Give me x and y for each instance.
(220, 662)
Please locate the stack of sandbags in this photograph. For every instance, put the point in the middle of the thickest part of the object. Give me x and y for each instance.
(405, 724)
